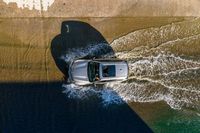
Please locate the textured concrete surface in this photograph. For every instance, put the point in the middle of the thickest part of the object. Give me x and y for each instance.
(103, 8)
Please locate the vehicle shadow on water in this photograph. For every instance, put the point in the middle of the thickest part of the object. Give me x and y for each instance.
(41, 107)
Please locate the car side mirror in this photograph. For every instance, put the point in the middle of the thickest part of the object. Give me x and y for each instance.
(95, 85)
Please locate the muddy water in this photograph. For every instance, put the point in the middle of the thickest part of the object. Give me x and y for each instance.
(163, 56)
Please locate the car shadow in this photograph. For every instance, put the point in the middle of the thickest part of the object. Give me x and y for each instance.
(81, 38)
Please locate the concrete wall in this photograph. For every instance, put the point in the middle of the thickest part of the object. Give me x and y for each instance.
(99, 8)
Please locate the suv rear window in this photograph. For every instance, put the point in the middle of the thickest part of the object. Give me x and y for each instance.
(109, 71)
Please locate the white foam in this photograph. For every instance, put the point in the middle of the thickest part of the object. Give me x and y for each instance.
(107, 95)
(32, 4)
(152, 78)
(162, 77)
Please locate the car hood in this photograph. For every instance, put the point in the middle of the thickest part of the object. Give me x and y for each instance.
(79, 70)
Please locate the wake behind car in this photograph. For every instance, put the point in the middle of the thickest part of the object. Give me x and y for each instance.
(97, 71)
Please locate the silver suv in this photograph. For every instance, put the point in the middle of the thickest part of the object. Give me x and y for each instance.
(97, 71)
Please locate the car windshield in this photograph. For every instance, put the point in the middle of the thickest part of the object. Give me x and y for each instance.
(93, 71)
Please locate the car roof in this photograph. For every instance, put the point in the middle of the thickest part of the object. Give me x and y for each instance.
(120, 66)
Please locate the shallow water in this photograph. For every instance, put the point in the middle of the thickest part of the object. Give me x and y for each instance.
(161, 68)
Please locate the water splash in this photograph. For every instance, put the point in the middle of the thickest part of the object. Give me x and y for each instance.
(106, 94)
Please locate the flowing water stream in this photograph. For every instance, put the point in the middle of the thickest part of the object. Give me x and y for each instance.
(156, 72)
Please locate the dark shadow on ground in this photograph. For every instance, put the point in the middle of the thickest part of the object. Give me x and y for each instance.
(41, 107)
